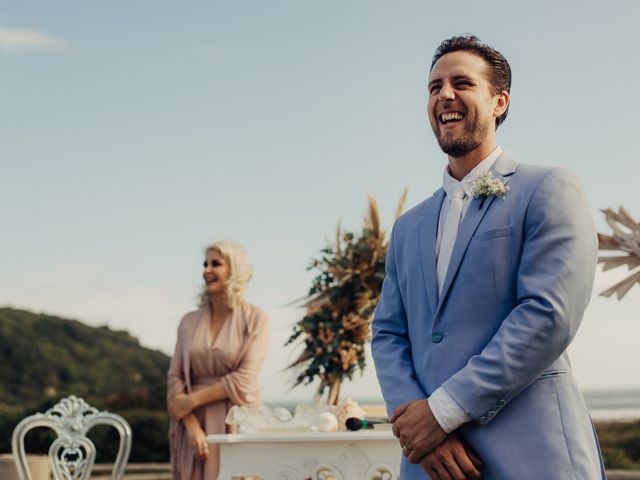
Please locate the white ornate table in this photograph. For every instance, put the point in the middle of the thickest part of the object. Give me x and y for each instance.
(362, 455)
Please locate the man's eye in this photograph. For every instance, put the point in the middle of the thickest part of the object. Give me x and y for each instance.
(434, 90)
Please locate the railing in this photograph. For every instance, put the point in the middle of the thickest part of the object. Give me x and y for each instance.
(134, 471)
(162, 471)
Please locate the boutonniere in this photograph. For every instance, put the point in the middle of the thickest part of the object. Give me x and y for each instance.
(487, 184)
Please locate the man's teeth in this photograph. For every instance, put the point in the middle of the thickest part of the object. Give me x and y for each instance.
(450, 117)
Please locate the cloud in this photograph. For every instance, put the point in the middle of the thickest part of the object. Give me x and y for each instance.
(16, 40)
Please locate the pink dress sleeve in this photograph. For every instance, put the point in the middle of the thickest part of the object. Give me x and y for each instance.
(175, 375)
(241, 384)
(179, 447)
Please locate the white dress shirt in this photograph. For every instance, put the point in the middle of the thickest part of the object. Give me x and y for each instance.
(445, 409)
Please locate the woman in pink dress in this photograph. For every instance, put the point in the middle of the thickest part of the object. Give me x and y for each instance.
(219, 351)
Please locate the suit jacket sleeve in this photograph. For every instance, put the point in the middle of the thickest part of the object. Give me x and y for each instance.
(390, 345)
(554, 282)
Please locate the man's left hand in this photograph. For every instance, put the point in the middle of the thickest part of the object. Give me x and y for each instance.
(417, 429)
(452, 460)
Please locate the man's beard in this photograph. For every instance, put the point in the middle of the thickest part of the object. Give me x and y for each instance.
(471, 138)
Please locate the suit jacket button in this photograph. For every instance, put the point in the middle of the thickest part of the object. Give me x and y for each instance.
(436, 337)
(501, 403)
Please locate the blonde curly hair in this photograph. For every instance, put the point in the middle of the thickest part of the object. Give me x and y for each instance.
(239, 272)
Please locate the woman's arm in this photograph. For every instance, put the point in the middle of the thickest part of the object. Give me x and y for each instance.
(197, 437)
(184, 403)
(240, 385)
(175, 376)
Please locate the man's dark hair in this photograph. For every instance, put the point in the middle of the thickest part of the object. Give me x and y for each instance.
(499, 71)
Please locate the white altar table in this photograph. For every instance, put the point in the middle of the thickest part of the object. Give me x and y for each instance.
(361, 455)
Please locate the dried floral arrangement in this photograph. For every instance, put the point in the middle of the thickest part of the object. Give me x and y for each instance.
(340, 305)
(625, 240)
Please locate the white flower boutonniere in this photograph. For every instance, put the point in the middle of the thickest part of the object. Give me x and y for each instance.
(486, 184)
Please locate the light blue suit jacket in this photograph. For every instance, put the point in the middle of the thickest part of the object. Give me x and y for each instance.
(519, 280)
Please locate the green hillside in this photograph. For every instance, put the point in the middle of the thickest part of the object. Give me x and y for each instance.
(44, 358)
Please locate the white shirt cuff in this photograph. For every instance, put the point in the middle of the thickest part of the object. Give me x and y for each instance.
(448, 413)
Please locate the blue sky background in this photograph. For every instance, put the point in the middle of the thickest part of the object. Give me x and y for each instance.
(134, 133)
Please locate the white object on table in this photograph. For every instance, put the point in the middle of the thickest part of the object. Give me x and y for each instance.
(361, 455)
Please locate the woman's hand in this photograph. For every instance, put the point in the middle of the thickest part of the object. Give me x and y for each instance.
(198, 440)
(181, 405)
(452, 460)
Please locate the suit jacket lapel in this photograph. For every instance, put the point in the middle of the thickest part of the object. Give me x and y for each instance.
(503, 168)
(428, 234)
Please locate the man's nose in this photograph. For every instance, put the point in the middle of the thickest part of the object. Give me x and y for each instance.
(446, 93)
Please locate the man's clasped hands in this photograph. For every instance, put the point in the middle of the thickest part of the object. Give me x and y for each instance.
(442, 456)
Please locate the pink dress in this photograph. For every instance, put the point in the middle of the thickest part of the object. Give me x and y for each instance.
(234, 360)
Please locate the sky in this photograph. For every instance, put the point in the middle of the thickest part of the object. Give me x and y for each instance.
(133, 134)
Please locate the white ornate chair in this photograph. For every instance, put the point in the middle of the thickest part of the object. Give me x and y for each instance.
(72, 454)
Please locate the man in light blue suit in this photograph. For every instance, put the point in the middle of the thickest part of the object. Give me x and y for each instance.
(486, 285)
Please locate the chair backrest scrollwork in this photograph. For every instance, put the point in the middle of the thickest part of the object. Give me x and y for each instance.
(72, 454)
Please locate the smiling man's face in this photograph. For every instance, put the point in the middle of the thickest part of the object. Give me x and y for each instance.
(462, 104)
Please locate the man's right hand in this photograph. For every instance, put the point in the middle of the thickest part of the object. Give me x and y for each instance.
(452, 460)
(417, 429)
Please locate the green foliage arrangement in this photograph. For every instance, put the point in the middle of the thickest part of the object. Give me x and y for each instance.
(625, 243)
(44, 358)
(340, 305)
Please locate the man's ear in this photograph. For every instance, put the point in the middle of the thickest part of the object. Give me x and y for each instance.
(501, 104)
